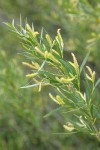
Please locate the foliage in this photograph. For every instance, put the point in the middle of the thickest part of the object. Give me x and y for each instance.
(74, 92)
(79, 21)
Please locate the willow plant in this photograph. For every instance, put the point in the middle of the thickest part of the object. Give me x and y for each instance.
(74, 85)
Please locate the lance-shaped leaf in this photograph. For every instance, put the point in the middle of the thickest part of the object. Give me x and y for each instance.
(75, 63)
(84, 61)
(58, 43)
(34, 34)
(49, 40)
(57, 99)
(69, 126)
(92, 74)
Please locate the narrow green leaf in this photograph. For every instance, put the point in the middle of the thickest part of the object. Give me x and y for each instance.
(41, 36)
(97, 111)
(96, 84)
(91, 109)
(29, 86)
(10, 26)
(84, 61)
(52, 112)
(13, 22)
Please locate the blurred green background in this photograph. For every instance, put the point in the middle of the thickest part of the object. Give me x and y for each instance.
(22, 126)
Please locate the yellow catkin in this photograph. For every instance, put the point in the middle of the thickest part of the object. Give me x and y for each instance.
(88, 77)
(75, 63)
(46, 54)
(28, 65)
(65, 80)
(60, 38)
(93, 76)
(69, 126)
(53, 98)
(36, 65)
(54, 51)
(91, 73)
(60, 101)
(34, 34)
(50, 56)
(39, 51)
(48, 39)
(89, 69)
(31, 75)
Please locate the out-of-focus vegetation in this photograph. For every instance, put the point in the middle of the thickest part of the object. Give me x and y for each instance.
(21, 111)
